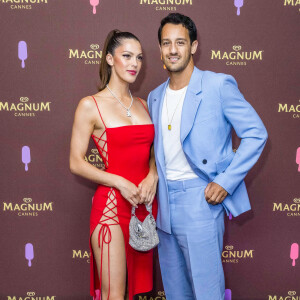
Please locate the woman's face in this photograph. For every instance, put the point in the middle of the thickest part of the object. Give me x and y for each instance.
(127, 60)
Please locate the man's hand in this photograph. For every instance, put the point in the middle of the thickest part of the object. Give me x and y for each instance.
(214, 193)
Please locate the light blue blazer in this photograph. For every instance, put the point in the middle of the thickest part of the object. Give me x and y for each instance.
(213, 105)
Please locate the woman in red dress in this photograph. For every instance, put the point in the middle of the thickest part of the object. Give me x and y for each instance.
(122, 130)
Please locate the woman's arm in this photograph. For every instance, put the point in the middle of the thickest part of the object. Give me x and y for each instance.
(83, 126)
(147, 187)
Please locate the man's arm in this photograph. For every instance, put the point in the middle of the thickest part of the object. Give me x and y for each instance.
(248, 127)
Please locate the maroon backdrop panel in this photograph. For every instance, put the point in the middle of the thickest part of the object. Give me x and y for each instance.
(50, 53)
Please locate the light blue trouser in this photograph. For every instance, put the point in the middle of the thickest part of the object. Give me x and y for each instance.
(190, 257)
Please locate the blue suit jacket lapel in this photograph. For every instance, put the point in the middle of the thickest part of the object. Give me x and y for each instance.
(191, 103)
(157, 111)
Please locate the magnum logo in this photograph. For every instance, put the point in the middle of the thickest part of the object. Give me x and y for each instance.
(160, 296)
(293, 110)
(229, 255)
(293, 3)
(94, 159)
(291, 296)
(81, 254)
(31, 296)
(25, 108)
(90, 57)
(291, 210)
(23, 4)
(27, 208)
(237, 57)
(168, 5)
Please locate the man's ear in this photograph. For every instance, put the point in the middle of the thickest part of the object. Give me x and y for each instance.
(159, 47)
(160, 51)
(194, 47)
(109, 59)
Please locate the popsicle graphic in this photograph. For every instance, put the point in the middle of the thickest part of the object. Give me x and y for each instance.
(298, 158)
(97, 296)
(26, 159)
(227, 294)
(22, 52)
(94, 3)
(29, 255)
(294, 253)
(238, 4)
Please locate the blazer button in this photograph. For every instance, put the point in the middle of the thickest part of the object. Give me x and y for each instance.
(204, 161)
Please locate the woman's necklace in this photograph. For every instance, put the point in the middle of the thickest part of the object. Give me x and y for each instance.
(127, 108)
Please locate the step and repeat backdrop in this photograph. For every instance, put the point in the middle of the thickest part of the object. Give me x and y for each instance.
(50, 55)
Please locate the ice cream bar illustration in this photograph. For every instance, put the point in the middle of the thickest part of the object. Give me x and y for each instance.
(238, 4)
(298, 158)
(227, 294)
(22, 52)
(97, 296)
(294, 253)
(94, 3)
(26, 156)
(29, 253)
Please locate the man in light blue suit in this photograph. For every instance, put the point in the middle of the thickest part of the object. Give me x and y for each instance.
(200, 177)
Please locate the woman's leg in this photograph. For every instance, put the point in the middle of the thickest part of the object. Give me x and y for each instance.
(113, 274)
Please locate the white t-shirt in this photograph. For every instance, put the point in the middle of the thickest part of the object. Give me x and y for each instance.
(177, 166)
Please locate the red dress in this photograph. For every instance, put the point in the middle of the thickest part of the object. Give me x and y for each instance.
(125, 151)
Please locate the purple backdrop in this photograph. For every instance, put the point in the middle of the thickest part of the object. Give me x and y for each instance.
(50, 58)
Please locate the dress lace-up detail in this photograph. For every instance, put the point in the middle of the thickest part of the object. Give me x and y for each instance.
(102, 140)
(108, 218)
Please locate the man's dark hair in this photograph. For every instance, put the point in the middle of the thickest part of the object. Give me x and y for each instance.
(176, 18)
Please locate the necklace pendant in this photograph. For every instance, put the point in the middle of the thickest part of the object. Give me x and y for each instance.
(169, 127)
(128, 113)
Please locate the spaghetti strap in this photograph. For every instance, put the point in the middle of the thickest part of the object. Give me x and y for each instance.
(99, 112)
(144, 107)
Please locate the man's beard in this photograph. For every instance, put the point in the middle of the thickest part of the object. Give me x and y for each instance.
(180, 68)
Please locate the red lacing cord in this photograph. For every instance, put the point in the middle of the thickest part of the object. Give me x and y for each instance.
(102, 151)
(106, 233)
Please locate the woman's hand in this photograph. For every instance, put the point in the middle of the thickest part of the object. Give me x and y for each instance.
(129, 191)
(147, 188)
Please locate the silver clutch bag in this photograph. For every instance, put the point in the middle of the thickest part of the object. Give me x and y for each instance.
(143, 235)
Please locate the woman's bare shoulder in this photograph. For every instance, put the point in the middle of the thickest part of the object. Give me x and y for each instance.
(86, 103)
(89, 103)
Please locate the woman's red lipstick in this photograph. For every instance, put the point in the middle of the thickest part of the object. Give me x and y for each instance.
(132, 72)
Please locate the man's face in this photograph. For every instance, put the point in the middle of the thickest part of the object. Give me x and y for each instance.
(176, 49)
